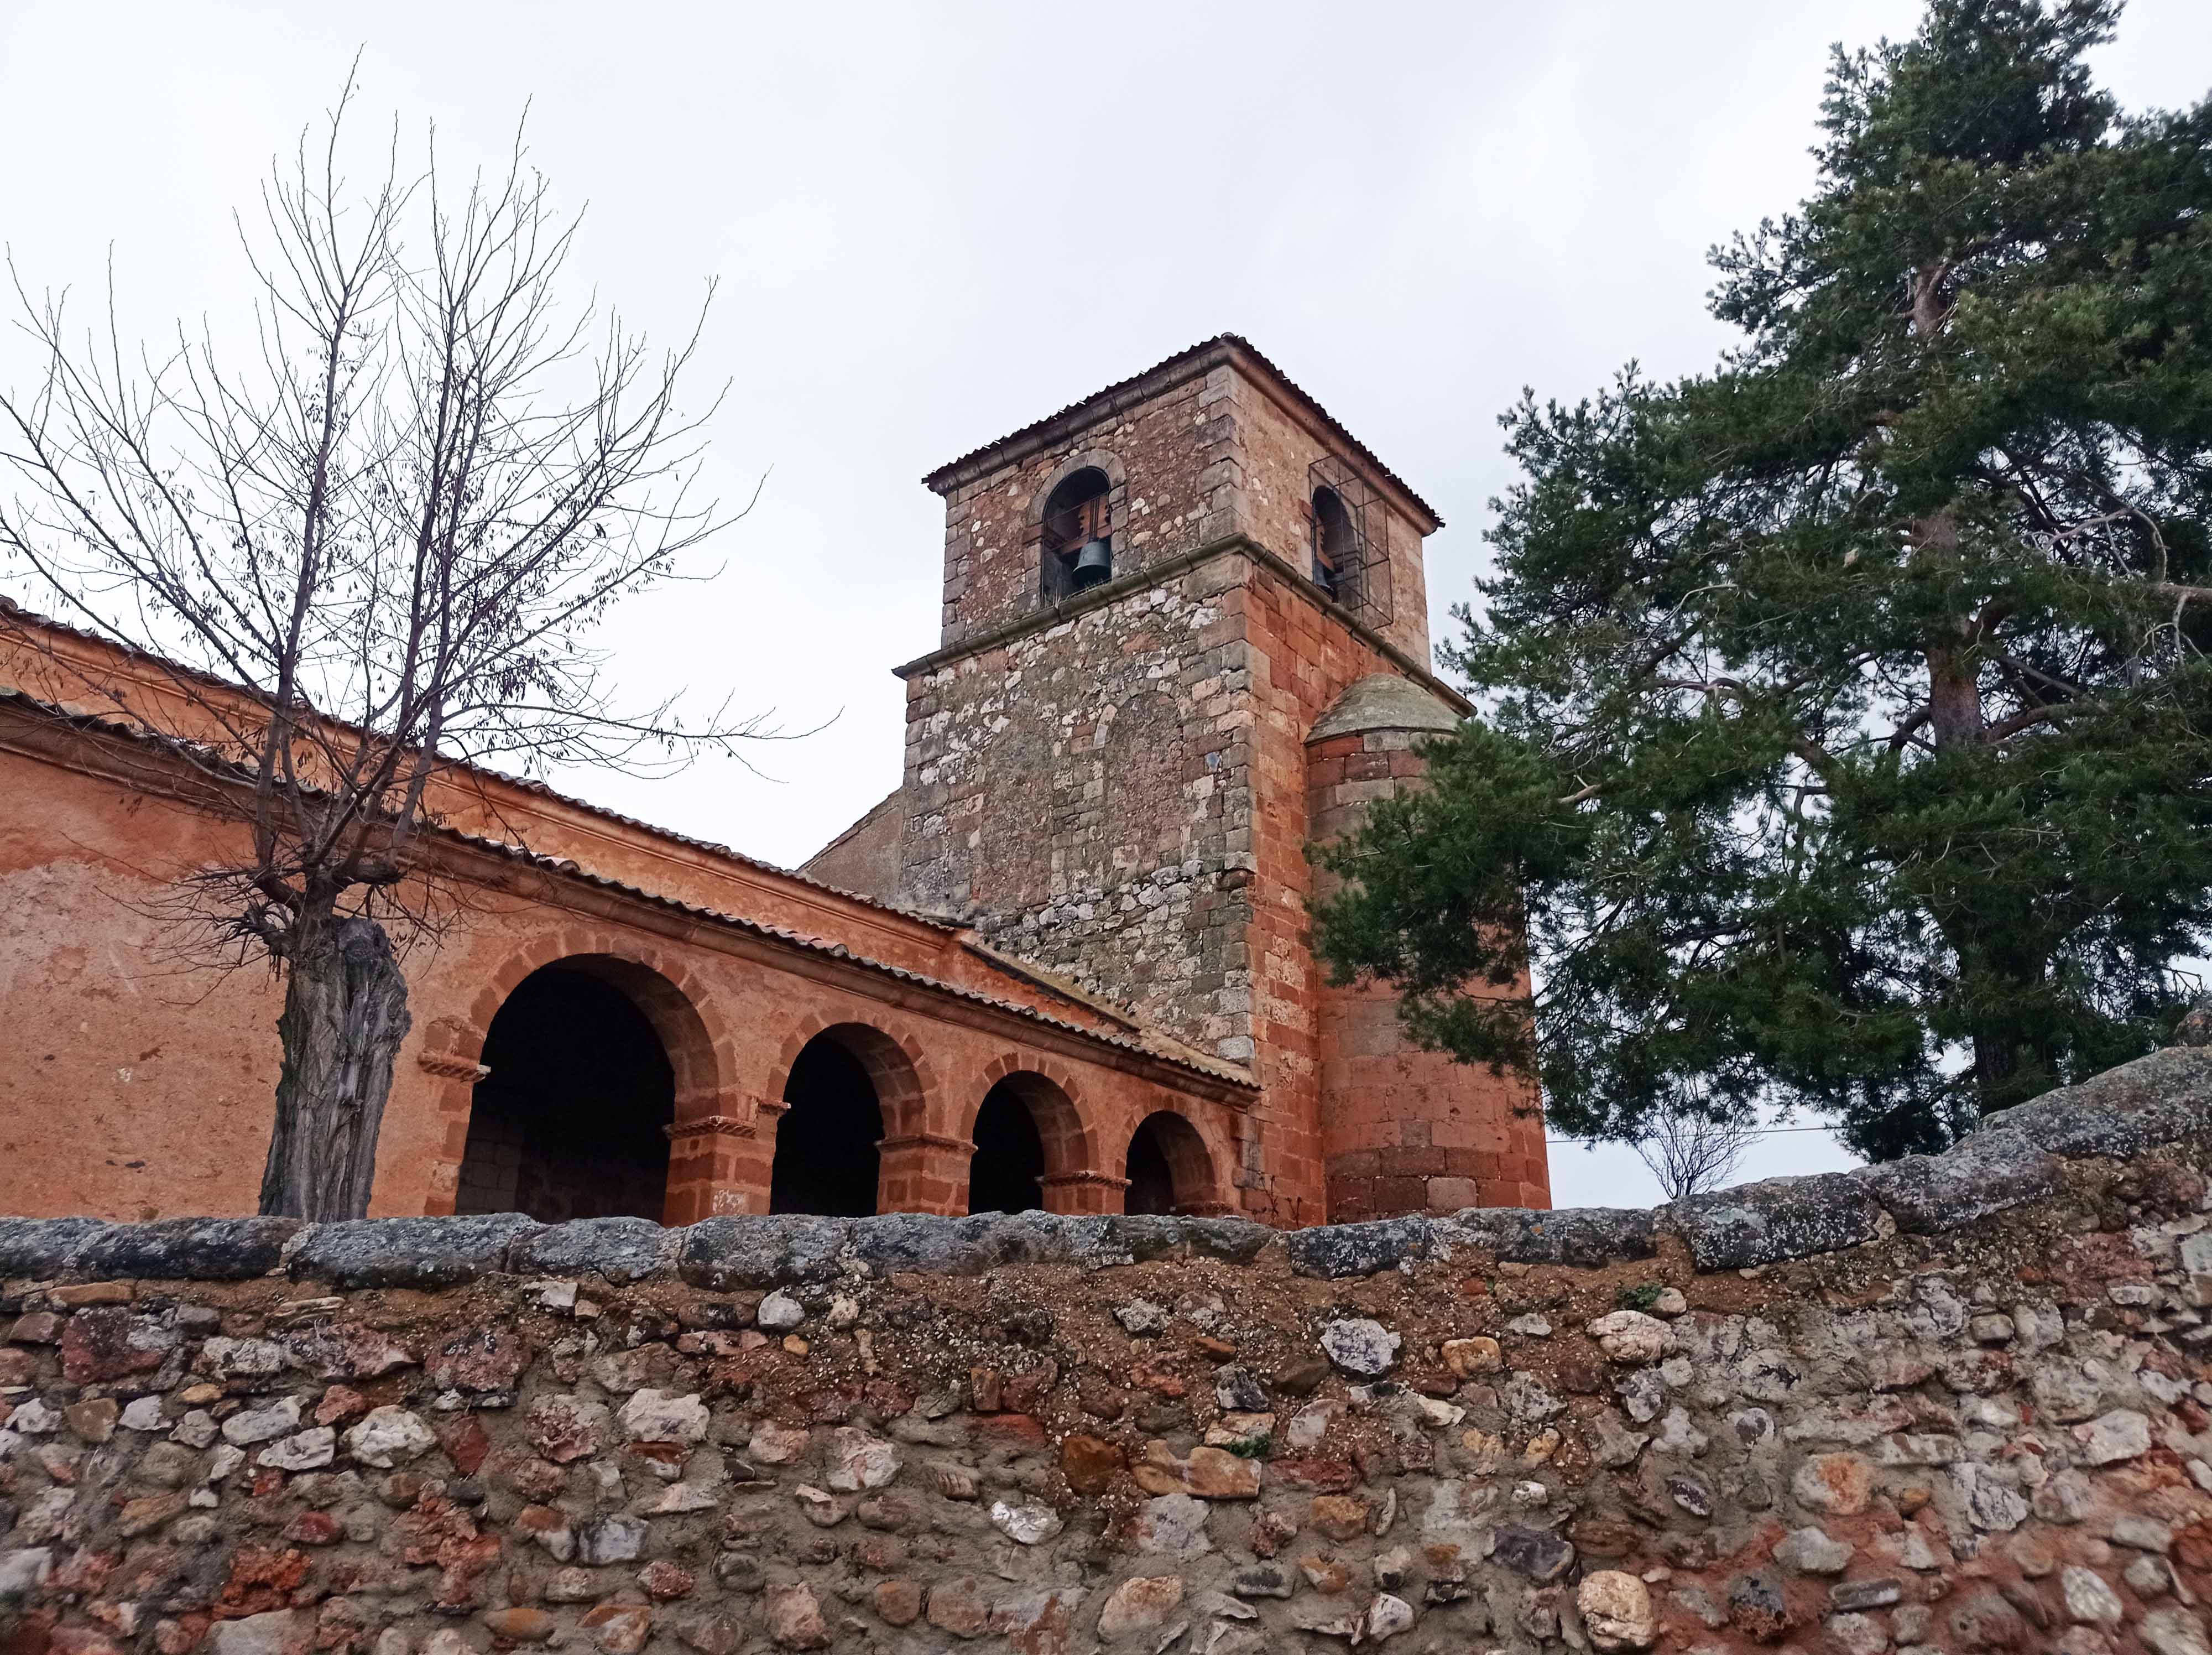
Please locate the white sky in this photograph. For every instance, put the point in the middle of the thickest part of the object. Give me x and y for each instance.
(934, 223)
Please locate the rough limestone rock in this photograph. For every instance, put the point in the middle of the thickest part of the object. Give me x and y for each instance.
(1992, 1170)
(1138, 1606)
(722, 1253)
(655, 1416)
(277, 1418)
(22, 1573)
(2122, 1112)
(44, 1247)
(1360, 1346)
(1030, 1523)
(406, 1252)
(1766, 1223)
(1631, 1338)
(1584, 1236)
(1342, 1249)
(256, 1634)
(389, 1436)
(1617, 1611)
(620, 1249)
(190, 1249)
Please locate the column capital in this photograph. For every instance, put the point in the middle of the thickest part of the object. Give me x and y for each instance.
(1063, 1180)
(725, 1126)
(926, 1140)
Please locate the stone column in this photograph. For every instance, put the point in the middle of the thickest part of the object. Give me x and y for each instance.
(718, 1164)
(923, 1172)
(1084, 1194)
(457, 1076)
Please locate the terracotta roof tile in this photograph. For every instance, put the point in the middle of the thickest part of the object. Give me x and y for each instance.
(1227, 342)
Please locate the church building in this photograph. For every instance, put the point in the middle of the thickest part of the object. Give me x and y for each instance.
(1066, 964)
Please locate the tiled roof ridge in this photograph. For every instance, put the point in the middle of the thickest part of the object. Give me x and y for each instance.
(1232, 341)
(524, 784)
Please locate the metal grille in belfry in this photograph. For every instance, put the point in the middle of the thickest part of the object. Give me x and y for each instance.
(1363, 572)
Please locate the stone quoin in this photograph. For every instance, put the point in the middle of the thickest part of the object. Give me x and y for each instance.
(1065, 965)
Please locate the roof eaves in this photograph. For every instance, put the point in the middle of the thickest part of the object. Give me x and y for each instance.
(566, 868)
(32, 617)
(1227, 345)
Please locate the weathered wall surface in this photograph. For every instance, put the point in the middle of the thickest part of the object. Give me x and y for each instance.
(1081, 792)
(865, 857)
(1404, 1129)
(1944, 1406)
(1171, 458)
(132, 1087)
(1278, 446)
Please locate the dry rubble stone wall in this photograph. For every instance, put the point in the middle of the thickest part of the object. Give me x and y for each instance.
(1956, 1404)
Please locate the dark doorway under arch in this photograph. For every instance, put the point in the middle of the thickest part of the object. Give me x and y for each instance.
(1007, 1172)
(569, 1122)
(1168, 1168)
(826, 1160)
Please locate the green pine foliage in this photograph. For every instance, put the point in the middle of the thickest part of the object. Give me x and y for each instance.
(1848, 741)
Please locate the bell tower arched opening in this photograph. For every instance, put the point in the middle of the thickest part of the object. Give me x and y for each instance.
(1077, 551)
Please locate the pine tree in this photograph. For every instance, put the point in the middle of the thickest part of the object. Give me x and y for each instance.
(1848, 729)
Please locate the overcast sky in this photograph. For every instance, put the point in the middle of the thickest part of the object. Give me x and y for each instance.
(933, 223)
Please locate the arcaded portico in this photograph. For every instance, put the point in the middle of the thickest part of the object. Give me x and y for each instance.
(765, 1064)
(582, 1045)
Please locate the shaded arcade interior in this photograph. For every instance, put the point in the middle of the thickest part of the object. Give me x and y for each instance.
(826, 1157)
(587, 1057)
(1007, 1172)
(571, 1120)
(1168, 1167)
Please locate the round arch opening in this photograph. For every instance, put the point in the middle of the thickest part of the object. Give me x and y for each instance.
(1335, 551)
(1077, 534)
(571, 1120)
(827, 1161)
(1026, 1132)
(1169, 1167)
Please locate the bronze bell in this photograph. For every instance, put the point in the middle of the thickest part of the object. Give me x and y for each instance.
(1094, 565)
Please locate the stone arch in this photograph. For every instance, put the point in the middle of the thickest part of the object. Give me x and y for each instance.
(896, 1066)
(1029, 1108)
(589, 1055)
(701, 1053)
(1171, 1168)
(1091, 459)
(853, 1100)
(1084, 501)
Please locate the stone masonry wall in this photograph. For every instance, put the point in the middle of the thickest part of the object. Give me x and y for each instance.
(1171, 461)
(1278, 449)
(1959, 1405)
(1131, 888)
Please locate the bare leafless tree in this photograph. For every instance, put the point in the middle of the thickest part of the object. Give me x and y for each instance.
(1690, 1151)
(391, 522)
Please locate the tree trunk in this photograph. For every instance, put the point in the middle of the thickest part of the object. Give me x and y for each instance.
(345, 1014)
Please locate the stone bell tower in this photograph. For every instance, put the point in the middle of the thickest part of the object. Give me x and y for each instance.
(1185, 628)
